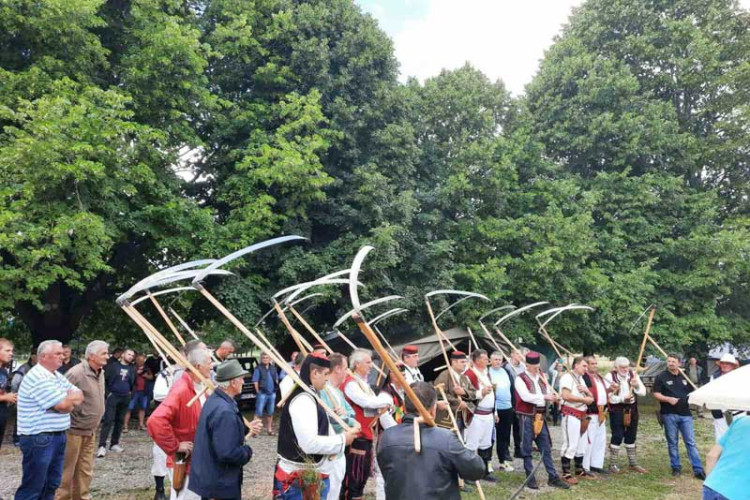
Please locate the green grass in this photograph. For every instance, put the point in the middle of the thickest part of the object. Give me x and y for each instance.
(652, 454)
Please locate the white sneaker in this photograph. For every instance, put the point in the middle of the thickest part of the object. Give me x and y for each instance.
(509, 467)
(101, 452)
(116, 448)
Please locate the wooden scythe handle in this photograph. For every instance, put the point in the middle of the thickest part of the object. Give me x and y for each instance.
(310, 329)
(395, 372)
(666, 356)
(645, 337)
(304, 348)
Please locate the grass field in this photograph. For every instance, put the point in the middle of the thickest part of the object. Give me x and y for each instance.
(652, 452)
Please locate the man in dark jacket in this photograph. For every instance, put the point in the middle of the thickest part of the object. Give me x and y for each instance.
(220, 451)
(119, 379)
(432, 473)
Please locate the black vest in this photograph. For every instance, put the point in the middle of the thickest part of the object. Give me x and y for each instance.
(288, 447)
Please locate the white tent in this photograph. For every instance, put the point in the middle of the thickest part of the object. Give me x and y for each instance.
(728, 392)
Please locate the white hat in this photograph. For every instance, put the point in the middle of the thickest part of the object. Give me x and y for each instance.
(729, 358)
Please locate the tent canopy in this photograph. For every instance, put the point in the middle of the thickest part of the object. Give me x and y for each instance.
(728, 392)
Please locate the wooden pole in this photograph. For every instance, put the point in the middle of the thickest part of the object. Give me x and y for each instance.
(645, 337)
(310, 329)
(471, 334)
(190, 331)
(304, 349)
(390, 347)
(492, 339)
(166, 318)
(438, 333)
(507, 340)
(272, 354)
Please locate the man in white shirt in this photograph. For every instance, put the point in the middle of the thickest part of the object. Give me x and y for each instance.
(533, 393)
(516, 367)
(286, 384)
(623, 412)
(305, 434)
(576, 397)
(479, 431)
(410, 357)
(596, 434)
(367, 406)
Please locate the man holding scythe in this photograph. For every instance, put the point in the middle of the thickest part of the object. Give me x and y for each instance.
(460, 393)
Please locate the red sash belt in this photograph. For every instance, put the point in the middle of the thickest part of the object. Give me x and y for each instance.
(579, 414)
(288, 480)
(484, 412)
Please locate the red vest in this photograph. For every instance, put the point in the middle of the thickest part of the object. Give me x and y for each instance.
(359, 413)
(522, 406)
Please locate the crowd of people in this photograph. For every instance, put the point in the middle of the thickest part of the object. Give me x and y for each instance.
(482, 404)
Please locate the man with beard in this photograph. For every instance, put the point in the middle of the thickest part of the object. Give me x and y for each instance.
(410, 358)
(623, 412)
(479, 431)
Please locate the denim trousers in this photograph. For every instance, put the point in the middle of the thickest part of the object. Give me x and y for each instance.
(43, 457)
(674, 425)
(264, 404)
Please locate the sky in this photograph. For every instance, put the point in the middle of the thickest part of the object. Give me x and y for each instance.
(505, 39)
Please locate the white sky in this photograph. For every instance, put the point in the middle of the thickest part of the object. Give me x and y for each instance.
(505, 39)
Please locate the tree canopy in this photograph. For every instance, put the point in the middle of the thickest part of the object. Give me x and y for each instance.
(136, 134)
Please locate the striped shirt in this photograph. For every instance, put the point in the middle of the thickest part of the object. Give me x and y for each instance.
(40, 391)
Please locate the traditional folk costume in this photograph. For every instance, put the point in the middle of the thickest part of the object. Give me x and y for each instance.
(307, 441)
(334, 399)
(359, 456)
(596, 434)
(575, 424)
(531, 408)
(411, 374)
(479, 432)
(623, 417)
(449, 377)
(173, 422)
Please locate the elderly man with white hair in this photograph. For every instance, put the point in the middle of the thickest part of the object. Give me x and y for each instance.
(727, 363)
(173, 424)
(45, 400)
(626, 387)
(78, 469)
(367, 406)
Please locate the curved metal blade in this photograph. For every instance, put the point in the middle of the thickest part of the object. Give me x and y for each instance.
(178, 276)
(302, 299)
(639, 318)
(313, 284)
(451, 306)
(455, 292)
(559, 311)
(286, 307)
(163, 292)
(160, 274)
(292, 288)
(518, 311)
(239, 253)
(387, 314)
(491, 311)
(365, 306)
(354, 277)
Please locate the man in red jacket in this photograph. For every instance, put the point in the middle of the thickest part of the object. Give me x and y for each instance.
(172, 425)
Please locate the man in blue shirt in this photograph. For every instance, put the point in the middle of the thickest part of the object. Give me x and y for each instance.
(266, 380)
(45, 400)
(502, 380)
(726, 464)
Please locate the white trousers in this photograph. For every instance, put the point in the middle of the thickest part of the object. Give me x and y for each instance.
(596, 436)
(720, 427)
(185, 493)
(336, 477)
(159, 464)
(479, 432)
(573, 443)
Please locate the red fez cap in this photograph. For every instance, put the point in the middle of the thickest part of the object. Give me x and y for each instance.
(458, 355)
(532, 358)
(410, 349)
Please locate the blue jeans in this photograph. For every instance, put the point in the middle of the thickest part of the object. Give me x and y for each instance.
(140, 401)
(295, 493)
(684, 425)
(43, 456)
(709, 494)
(264, 404)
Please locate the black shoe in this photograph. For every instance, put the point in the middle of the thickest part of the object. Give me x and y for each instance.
(532, 486)
(160, 495)
(603, 472)
(700, 475)
(558, 483)
(489, 478)
(676, 472)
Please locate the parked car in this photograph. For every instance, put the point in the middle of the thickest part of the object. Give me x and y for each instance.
(247, 398)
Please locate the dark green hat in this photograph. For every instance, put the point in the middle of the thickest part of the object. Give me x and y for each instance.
(229, 370)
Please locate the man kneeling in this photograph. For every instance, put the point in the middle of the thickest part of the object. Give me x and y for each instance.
(432, 473)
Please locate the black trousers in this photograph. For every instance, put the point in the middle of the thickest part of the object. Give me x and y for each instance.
(3, 421)
(516, 436)
(619, 432)
(358, 465)
(502, 433)
(114, 417)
